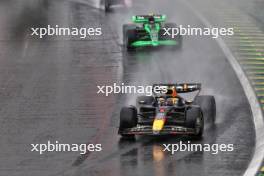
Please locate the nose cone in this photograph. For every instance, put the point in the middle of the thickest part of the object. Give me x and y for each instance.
(158, 125)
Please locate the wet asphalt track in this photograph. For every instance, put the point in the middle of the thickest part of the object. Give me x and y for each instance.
(48, 92)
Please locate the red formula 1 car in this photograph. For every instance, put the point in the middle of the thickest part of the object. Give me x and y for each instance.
(168, 112)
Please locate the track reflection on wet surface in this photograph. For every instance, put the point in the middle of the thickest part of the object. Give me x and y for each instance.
(48, 92)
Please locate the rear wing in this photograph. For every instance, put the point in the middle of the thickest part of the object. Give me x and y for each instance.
(146, 18)
(167, 89)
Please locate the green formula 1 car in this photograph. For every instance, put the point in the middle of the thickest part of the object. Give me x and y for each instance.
(149, 30)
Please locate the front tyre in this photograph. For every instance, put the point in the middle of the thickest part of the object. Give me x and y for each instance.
(128, 119)
(208, 106)
(129, 36)
(195, 120)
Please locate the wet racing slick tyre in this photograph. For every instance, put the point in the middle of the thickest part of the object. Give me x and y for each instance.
(129, 36)
(177, 38)
(195, 120)
(128, 119)
(207, 104)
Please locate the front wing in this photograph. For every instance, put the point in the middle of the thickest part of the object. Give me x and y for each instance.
(147, 130)
(141, 43)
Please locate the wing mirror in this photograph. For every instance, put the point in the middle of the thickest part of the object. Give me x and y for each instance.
(188, 101)
(141, 102)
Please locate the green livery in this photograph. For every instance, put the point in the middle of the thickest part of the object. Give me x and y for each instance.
(149, 30)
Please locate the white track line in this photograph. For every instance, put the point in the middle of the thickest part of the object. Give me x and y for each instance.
(251, 96)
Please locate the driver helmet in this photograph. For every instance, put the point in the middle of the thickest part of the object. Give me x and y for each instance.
(170, 102)
(161, 101)
(151, 18)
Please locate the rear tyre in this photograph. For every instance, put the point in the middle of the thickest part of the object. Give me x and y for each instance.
(177, 38)
(128, 119)
(207, 104)
(195, 120)
(129, 36)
